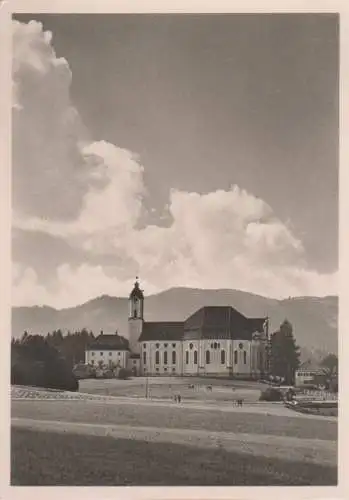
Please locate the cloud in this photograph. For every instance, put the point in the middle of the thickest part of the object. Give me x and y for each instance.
(90, 194)
(57, 171)
(71, 282)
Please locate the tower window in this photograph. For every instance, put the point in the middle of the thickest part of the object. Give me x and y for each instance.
(191, 346)
(223, 357)
(173, 357)
(145, 346)
(144, 358)
(165, 345)
(186, 357)
(245, 357)
(195, 357)
(165, 358)
(215, 345)
(157, 346)
(173, 345)
(235, 357)
(157, 358)
(208, 357)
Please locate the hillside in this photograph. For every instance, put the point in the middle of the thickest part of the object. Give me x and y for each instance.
(314, 319)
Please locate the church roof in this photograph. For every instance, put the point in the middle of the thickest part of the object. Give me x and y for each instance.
(209, 322)
(106, 342)
(221, 322)
(162, 330)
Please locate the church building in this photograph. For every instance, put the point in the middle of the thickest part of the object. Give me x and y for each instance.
(215, 340)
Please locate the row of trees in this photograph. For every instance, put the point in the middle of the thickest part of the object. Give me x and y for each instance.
(71, 345)
(36, 363)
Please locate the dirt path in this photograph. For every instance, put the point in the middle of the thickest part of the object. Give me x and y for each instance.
(291, 448)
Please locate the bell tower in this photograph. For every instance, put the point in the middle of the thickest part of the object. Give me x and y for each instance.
(135, 317)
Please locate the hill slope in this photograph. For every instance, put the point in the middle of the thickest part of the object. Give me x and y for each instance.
(314, 319)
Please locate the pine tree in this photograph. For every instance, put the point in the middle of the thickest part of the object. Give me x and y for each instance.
(284, 355)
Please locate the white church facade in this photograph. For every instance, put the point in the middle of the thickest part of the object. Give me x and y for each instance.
(215, 340)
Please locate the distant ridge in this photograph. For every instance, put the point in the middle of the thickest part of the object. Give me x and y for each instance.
(314, 318)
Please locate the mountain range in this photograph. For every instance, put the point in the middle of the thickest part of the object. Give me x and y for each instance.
(314, 319)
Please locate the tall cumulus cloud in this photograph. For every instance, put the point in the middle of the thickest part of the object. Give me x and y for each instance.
(90, 193)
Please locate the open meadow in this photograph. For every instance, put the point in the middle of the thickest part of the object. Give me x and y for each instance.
(193, 388)
(123, 439)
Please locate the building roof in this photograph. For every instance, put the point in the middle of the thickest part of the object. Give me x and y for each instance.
(107, 342)
(162, 330)
(309, 366)
(221, 322)
(209, 322)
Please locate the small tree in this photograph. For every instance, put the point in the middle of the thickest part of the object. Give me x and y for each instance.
(330, 365)
(124, 374)
(284, 353)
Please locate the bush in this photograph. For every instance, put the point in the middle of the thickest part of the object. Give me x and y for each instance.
(124, 374)
(271, 394)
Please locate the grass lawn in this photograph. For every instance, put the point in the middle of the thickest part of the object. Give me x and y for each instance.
(173, 416)
(165, 387)
(45, 458)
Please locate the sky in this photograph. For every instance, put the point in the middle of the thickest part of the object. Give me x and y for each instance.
(189, 150)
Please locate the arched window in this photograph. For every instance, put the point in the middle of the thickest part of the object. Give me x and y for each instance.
(144, 358)
(173, 357)
(165, 358)
(215, 345)
(223, 357)
(186, 357)
(245, 358)
(207, 357)
(235, 357)
(195, 357)
(191, 346)
(157, 357)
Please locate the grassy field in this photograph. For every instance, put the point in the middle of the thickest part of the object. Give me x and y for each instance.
(43, 458)
(166, 387)
(173, 416)
(203, 441)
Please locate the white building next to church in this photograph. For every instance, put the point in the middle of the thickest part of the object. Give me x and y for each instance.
(215, 340)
